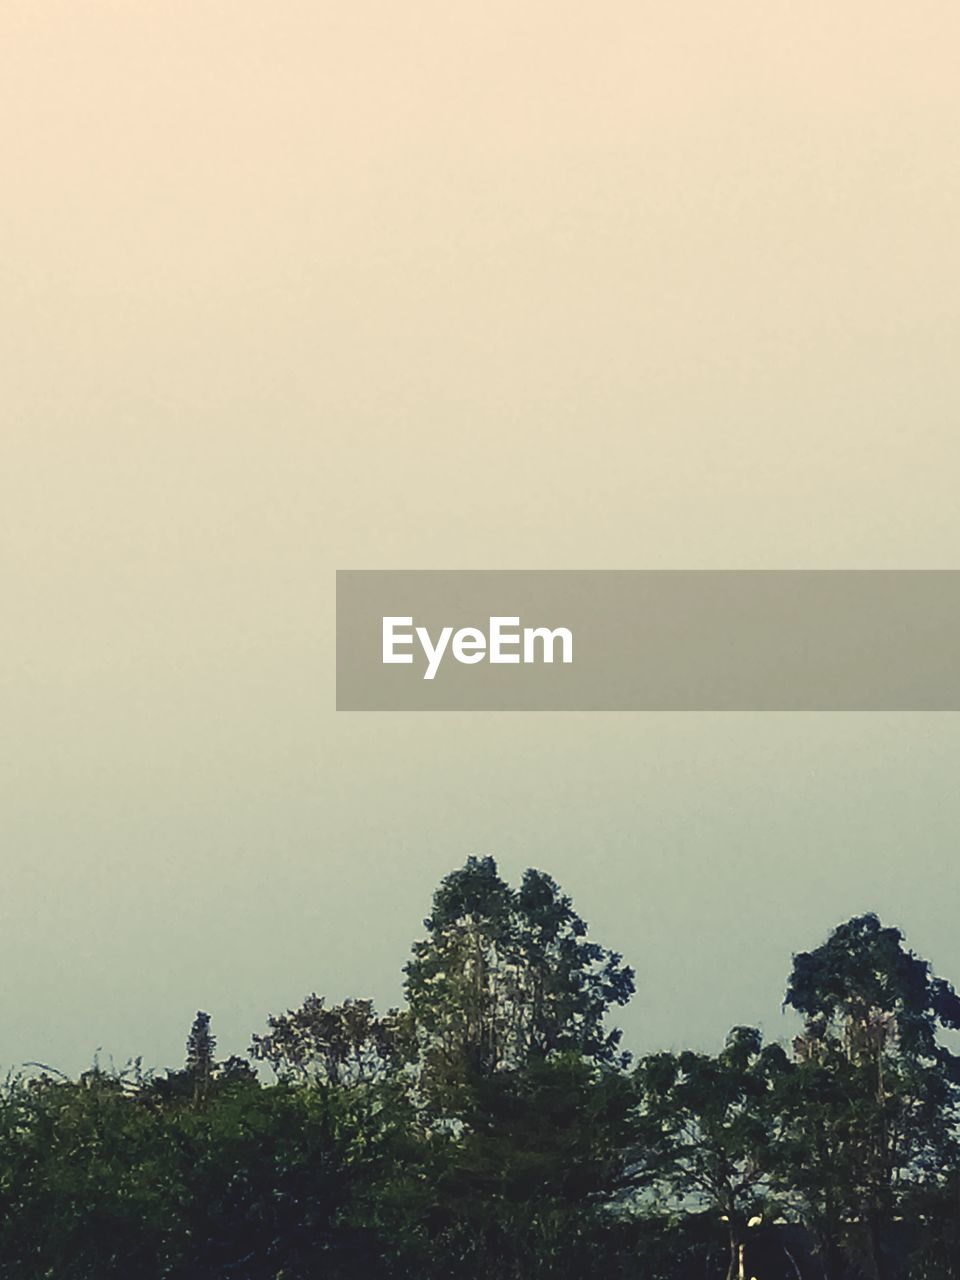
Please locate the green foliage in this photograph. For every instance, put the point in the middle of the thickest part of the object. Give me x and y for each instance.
(864, 988)
(492, 1129)
(91, 1181)
(342, 1045)
(870, 1114)
(505, 977)
(107, 1177)
(201, 1044)
(710, 1129)
(540, 1160)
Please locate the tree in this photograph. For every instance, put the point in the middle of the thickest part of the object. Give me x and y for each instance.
(508, 976)
(871, 1111)
(566, 983)
(528, 1185)
(90, 1180)
(201, 1044)
(346, 1044)
(109, 1177)
(709, 1130)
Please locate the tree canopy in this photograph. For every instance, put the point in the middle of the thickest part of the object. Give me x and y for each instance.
(494, 1126)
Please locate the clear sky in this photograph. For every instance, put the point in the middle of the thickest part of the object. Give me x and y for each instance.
(298, 286)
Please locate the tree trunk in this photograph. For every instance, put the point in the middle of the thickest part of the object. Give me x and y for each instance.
(735, 1266)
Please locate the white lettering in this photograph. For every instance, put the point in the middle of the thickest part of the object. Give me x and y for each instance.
(532, 634)
(469, 645)
(391, 640)
(498, 638)
(434, 653)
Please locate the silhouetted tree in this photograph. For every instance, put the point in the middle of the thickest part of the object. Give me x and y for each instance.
(871, 1109)
(201, 1045)
(491, 1129)
(710, 1129)
(505, 976)
(346, 1044)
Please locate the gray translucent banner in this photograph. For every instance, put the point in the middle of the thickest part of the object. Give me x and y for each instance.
(645, 640)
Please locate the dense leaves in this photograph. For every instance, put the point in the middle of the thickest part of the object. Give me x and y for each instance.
(494, 1128)
(506, 977)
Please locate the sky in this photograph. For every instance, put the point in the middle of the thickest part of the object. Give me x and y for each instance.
(296, 287)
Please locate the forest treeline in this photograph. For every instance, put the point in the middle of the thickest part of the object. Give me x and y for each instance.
(494, 1127)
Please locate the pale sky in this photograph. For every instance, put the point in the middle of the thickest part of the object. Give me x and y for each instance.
(300, 286)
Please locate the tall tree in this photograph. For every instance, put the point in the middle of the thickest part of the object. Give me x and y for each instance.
(506, 976)
(871, 1110)
(201, 1045)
